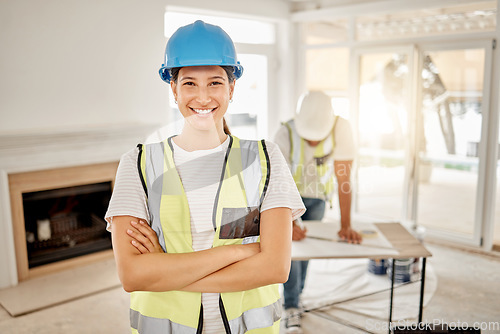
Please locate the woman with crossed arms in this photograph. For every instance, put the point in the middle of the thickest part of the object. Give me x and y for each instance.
(201, 223)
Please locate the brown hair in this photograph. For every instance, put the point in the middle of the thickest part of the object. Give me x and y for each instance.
(226, 128)
(174, 72)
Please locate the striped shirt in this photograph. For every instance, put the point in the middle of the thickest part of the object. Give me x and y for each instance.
(200, 175)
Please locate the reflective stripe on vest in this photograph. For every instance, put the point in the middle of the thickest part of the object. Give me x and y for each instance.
(253, 318)
(323, 156)
(236, 220)
(257, 318)
(156, 325)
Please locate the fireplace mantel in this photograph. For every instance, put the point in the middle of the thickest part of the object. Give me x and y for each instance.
(33, 153)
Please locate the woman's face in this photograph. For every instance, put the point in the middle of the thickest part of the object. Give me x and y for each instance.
(203, 94)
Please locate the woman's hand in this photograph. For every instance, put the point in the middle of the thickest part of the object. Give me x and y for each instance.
(144, 238)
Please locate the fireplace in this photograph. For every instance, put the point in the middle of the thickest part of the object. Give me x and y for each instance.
(65, 223)
(57, 217)
(58, 161)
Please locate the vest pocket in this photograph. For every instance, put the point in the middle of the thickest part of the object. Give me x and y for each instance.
(239, 223)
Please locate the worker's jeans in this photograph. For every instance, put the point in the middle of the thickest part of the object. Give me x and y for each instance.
(298, 270)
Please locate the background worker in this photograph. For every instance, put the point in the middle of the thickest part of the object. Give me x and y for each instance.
(202, 222)
(318, 147)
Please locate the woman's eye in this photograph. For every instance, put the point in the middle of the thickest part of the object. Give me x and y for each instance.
(215, 83)
(188, 83)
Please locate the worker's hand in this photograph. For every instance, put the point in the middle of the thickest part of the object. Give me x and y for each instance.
(298, 233)
(349, 235)
(144, 238)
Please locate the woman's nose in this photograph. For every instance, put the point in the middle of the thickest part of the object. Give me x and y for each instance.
(203, 95)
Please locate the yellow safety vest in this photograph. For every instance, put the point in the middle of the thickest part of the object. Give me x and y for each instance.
(236, 219)
(323, 156)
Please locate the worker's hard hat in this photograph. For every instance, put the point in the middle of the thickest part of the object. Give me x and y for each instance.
(199, 44)
(315, 117)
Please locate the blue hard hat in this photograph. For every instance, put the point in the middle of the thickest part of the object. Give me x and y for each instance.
(199, 44)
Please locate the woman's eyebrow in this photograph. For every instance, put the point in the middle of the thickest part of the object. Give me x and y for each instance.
(211, 78)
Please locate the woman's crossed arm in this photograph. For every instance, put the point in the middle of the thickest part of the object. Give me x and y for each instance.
(142, 266)
(160, 271)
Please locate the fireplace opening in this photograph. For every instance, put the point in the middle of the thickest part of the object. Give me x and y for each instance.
(65, 223)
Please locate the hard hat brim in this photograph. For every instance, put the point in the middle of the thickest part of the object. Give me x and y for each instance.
(165, 75)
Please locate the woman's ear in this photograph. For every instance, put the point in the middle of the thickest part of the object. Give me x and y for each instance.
(231, 89)
(173, 86)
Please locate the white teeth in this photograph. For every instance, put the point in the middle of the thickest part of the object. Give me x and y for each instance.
(203, 111)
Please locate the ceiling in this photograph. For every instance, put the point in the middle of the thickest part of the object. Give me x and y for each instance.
(363, 7)
(376, 19)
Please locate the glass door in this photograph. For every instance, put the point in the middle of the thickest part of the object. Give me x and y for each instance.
(383, 97)
(451, 141)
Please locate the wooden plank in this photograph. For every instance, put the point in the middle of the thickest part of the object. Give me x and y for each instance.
(404, 241)
(18, 229)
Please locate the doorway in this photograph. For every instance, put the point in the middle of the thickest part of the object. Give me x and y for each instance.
(421, 137)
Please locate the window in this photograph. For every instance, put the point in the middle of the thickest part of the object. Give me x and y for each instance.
(240, 30)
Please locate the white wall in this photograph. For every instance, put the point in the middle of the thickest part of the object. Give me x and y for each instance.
(68, 63)
(73, 64)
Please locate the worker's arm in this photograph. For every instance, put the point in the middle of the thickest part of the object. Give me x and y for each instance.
(343, 175)
(160, 271)
(271, 265)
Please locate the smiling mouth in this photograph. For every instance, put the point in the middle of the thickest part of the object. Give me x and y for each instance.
(203, 111)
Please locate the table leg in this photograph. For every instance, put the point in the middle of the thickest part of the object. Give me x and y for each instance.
(392, 293)
(422, 285)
